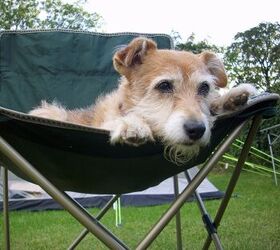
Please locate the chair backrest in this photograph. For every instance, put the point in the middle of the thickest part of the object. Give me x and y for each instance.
(70, 67)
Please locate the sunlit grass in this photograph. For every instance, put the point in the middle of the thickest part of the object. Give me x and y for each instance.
(252, 221)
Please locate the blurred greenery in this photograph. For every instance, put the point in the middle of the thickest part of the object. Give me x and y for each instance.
(48, 14)
(254, 56)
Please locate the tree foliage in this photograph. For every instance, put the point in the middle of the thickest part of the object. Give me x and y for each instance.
(37, 14)
(18, 14)
(194, 46)
(254, 56)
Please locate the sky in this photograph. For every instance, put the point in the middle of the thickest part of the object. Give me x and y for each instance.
(216, 20)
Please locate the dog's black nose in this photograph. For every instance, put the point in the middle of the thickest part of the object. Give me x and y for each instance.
(194, 130)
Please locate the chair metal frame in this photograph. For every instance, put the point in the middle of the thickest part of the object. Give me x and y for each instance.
(93, 225)
(272, 139)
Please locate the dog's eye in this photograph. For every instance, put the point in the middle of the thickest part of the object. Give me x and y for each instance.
(165, 86)
(203, 89)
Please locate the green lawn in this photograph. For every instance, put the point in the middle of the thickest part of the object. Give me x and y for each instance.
(252, 221)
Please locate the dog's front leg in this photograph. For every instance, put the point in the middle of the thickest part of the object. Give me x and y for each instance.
(233, 100)
(130, 129)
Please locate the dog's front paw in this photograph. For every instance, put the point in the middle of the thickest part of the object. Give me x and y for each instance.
(131, 131)
(238, 97)
(234, 99)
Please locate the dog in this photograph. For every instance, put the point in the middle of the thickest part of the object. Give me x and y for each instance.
(164, 95)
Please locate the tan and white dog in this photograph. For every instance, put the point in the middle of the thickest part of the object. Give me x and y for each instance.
(163, 94)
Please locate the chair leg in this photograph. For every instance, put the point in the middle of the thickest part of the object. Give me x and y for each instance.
(178, 215)
(176, 205)
(235, 176)
(209, 225)
(6, 208)
(101, 213)
(62, 198)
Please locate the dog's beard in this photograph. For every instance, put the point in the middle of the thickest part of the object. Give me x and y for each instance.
(179, 154)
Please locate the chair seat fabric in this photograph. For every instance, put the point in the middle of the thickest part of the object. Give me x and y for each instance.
(79, 158)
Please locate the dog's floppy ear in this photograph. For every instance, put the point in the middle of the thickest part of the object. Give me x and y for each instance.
(132, 54)
(216, 68)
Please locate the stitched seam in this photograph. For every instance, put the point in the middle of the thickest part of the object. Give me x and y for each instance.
(90, 33)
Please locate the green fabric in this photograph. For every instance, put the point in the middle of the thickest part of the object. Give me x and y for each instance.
(72, 68)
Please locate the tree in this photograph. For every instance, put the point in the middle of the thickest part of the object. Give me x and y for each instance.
(254, 56)
(192, 45)
(37, 14)
(18, 14)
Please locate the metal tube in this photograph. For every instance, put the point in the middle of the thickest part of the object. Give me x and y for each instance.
(217, 241)
(120, 212)
(62, 198)
(197, 195)
(275, 139)
(204, 212)
(269, 128)
(101, 213)
(272, 159)
(6, 208)
(176, 205)
(118, 216)
(232, 183)
(178, 215)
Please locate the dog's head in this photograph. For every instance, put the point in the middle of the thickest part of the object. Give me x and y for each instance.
(171, 90)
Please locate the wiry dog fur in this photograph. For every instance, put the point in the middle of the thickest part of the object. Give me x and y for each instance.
(163, 94)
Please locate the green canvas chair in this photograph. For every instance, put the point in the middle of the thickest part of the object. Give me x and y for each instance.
(74, 68)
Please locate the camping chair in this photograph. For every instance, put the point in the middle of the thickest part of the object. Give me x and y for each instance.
(74, 68)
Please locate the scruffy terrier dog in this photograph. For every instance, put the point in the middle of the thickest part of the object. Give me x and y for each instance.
(166, 95)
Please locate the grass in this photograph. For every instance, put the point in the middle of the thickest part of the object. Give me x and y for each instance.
(252, 221)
